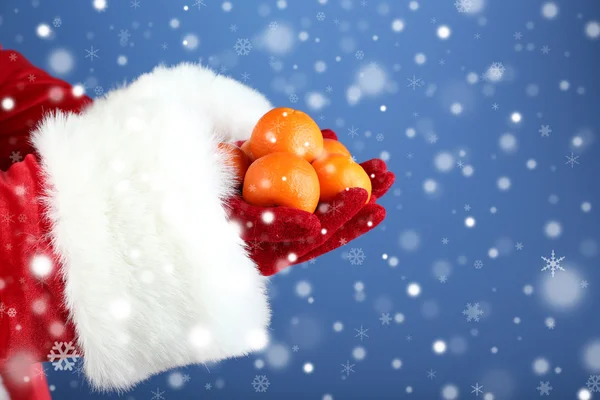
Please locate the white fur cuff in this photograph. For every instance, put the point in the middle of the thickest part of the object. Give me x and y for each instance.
(155, 276)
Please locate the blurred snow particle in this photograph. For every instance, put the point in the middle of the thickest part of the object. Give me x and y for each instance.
(99, 5)
(359, 353)
(279, 41)
(61, 62)
(282, 4)
(396, 363)
(398, 25)
(592, 29)
(320, 66)
(495, 72)
(564, 292)
(175, 380)
(409, 240)
(503, 183)
(443, 32)
(444, 161)
(549, 10)
(468, 170)
(353, 94)
(528, 290)
(277, 356)
(456, 108)
(591, 356)
(8, 104)
(410, 133)
(227, 6)
(191, 41)
(516, 117)
(413, 289)
(586, 206)
(44, 31)
(541, 366)
(584, 394)
(174, 23)
(469, 222)
(508, 143)
(439, 347)
(316, 101)
(420, 58)
(553, 229)
(303, 289)
(450, 392)
(430, 186)
(303, 36)
(413, 5)
(531, 163)
(493, 253)
(122, 60)
(338, 326)
(372, 79)
(472, 78)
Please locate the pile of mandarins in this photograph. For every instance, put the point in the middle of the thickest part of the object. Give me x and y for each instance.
(287, 162)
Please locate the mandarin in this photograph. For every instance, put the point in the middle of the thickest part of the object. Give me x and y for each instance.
(237, 159)
(246, 149)
(332, 146)
(282, 179)
(286, 130)
(337, 173)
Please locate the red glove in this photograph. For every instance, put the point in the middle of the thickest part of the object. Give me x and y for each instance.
(296, 236)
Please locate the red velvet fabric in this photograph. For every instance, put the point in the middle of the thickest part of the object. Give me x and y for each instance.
(291, 236)
(32, 316)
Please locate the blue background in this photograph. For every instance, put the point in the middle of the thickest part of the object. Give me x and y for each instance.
(494, 55)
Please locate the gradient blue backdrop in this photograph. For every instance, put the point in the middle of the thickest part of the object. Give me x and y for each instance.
(533, 328)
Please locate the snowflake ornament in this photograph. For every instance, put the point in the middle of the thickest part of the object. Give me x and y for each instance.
(356, 256)
(553, 264)
(242, 47)
(63, 356)
(473, 312)
(544, 388)
(463, 6)
(260, 383)
(593, 383)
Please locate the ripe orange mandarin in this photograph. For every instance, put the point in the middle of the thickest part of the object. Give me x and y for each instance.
(286, 130)
(282, 179)
(331, 146)
(237, 159)
(246, 149)
(337, 173)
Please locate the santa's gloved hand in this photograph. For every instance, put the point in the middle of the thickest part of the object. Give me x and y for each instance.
(278, 237)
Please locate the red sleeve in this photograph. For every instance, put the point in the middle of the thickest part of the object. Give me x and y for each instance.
(26, 93)
(32, 311)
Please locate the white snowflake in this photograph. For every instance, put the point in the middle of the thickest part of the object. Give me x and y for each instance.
(260, 383)
(593, 383)
(473, 312)
(414, 82)
(478, 264)
(359, 55)
(463, 6)
(10, 311)
(320, 16)
(63, 356)
(57, 22)
(158, 395)
(293, 98)
(544, 388)
(347, 368)
(356, 256)
(379, 137)
(124, 36)
(553, 264)
(495, 72)
(15, 156)
(242, 47)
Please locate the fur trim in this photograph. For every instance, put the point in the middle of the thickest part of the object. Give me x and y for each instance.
(3, 392)
(155, 275)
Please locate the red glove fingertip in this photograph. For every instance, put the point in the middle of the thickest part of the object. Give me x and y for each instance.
(329, 134)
